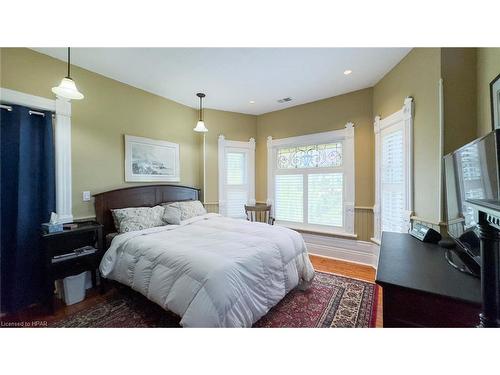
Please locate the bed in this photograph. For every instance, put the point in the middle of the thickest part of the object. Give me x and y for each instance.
(210, 270)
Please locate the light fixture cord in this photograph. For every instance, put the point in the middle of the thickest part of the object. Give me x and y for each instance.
(201, 109)
(69, 63)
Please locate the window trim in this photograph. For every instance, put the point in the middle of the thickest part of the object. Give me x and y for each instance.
(346, 136)
(62, 143)
(248, 147)
(405, 117)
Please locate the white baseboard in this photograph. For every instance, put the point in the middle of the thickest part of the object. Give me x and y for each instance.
(361, 252)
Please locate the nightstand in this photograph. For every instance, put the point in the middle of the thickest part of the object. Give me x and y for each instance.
(61, 260)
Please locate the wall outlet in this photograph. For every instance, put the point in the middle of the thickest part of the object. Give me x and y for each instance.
(86, 196)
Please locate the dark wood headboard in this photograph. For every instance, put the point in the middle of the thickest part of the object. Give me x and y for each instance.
(138, 196)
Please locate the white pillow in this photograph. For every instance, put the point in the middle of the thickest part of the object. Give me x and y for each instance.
(188, 209)
(172, 215)
(137, 218)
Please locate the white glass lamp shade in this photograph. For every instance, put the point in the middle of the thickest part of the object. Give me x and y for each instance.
(67, 89)
(200, 127)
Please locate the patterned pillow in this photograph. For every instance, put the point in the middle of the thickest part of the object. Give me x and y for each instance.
(188, 209)
(191, 209)
(137, 218)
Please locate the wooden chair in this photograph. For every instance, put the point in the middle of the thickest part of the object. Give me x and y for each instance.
(259, 213)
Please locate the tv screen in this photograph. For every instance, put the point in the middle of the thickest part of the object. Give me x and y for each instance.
(471, 172)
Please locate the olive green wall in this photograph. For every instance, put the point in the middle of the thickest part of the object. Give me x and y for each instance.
(488, 67)
(110, 110)
(417, 75)
(458, 70)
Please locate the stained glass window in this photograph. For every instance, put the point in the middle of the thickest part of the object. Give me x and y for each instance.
(326, 155)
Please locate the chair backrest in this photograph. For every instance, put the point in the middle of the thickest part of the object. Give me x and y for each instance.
(259, 213)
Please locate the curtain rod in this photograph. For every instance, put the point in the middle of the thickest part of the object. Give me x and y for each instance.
(9, 108)
(36, 113)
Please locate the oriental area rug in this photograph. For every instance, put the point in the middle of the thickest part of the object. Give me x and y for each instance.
(332, 301)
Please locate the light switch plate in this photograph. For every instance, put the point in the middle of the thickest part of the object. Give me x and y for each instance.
(86, 196)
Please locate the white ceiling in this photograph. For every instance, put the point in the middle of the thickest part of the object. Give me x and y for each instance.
(232, 77)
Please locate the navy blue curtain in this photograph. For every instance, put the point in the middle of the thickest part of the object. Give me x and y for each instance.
(27, 199)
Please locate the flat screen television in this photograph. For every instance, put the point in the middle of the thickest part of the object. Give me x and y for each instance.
(471, 172)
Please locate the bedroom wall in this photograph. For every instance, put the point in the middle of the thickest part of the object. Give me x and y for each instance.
(488, 67)
(110, 110)
(458, 70)
(417, 75)
(324, 115)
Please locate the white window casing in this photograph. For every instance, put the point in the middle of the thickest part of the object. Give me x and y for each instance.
(393, 187)
(236, 162)
(62, 142)
(314, 178)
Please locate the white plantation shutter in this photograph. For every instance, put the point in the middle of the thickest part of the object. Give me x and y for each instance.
(393, 171)
(392, 183)
(236, 168)
(236, 176)
(235, 204)
(237, 188)
(325, 199)
(289, 198)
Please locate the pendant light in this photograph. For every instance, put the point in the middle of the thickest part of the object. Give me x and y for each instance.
(200, 126)
(67, 88)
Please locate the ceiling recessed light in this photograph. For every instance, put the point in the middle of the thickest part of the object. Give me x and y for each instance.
(347, 72)
(252, 101)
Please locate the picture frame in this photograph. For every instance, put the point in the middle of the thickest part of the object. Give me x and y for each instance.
(151, 160)
(495, 102)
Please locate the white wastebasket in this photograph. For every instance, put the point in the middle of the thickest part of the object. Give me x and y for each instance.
(74, 288)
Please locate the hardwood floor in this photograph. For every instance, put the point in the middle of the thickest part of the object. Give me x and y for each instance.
(354, 270)
(37, 316)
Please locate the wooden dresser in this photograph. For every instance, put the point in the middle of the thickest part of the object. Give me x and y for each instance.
(420, 288)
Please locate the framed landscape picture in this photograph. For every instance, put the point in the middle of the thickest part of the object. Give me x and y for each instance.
(495, 102)
(150, 160)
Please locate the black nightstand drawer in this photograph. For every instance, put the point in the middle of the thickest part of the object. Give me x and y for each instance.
(69, 241)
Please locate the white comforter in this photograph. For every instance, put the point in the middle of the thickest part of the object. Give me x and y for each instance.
(211, 270)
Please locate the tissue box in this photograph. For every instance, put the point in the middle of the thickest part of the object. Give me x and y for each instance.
(52, 228)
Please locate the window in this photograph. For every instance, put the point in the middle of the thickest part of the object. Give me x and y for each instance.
(310, 156)
(392, 180)
(473, 181)
(393, 173)
(236, 176)
(325, 201)
(289, 198)
(311, 181)
(236, 183)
